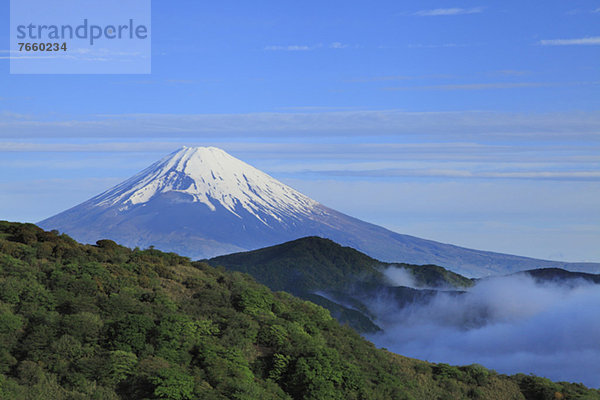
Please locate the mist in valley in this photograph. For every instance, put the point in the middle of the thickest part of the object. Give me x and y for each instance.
(509, 324)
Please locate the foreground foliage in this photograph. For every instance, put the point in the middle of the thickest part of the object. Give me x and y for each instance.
(106, 322)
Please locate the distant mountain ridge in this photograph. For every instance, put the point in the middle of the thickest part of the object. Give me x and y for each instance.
(560, 275)
(201, 202)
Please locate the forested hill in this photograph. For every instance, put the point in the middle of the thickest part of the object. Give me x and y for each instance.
(106, 322)
(339, 278)
(314, 263)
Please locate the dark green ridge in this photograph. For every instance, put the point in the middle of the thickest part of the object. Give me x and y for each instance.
(557, 274)
(309, 263)
(309, 266)
(314, 263)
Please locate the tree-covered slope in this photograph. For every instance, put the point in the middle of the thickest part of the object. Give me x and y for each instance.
(336, 277)
(106, 322)
(305, 264)
(314, 263)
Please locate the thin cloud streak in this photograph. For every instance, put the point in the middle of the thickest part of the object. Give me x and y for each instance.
(448, 11)
(435, 46)
(289, 48)
(338, 45)
(295, 47)
(589, 41)
(465, 174)
(486, 86)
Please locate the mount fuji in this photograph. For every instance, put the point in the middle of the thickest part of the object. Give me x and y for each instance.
(202, 202)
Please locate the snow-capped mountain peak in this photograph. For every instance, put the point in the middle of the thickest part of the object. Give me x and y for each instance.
(210, 176)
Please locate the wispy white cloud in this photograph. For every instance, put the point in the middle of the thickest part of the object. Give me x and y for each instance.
(290, 48)
(382, 78)
(6, 115)
(494, 85)
(589, 41)
(435, 46)
(577, 11)
(304, 47)
(465, 174)
(338, 45)
(448, 11)
(474, 86)
(317, 108)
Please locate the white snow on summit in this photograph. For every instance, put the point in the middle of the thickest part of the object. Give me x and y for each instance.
(211, 176)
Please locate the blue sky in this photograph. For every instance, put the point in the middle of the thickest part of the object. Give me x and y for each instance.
(474, 123)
